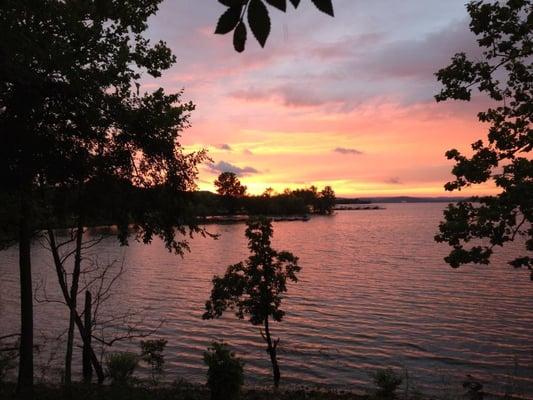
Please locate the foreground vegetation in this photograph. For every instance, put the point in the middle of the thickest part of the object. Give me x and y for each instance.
(183, 390)
(78, 126)
(177, 391)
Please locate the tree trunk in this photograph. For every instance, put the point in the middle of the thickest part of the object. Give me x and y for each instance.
(74, 301)
(25, 376)
(68, 353)
(87, 368)
(77, 320)
(271, 350)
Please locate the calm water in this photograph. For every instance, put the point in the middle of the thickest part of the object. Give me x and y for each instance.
(374, 292)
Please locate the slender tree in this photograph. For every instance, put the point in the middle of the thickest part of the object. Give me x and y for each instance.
(504, 74)
(254, 288)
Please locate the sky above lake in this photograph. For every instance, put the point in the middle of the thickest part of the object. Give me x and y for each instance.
(345, 101)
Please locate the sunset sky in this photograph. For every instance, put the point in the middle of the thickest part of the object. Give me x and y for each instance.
(344, 101)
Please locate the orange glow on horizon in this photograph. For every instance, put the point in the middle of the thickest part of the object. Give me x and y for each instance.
(348, 104)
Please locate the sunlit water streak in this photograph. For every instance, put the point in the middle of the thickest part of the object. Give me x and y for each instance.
(373, 292)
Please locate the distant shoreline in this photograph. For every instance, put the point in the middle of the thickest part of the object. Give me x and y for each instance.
(358, 208)
(400, 199)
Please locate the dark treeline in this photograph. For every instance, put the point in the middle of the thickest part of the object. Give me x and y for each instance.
(231, 198)
(295, 202)
(108, 202)
(117, 202)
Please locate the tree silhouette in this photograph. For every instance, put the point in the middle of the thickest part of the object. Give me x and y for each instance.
(230, 188)
(228, 184)
(326, 200)
(256, 11)
(71, 114)
(505, 75)
(255, 287)
(72, 117)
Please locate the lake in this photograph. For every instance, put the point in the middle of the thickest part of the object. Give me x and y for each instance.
(373, 292)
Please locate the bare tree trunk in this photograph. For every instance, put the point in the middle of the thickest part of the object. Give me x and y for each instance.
(87, 368)
(77, 320)
(74, 301)
(68, 353)
(25, 376)
(271, 350)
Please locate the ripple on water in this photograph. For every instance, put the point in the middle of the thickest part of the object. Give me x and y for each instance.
(373, 292)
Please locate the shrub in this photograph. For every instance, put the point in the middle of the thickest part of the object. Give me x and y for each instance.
(120, 366)
(225, 372)
(387, 382)
(8, 357)
(6, 363)
(152, 354)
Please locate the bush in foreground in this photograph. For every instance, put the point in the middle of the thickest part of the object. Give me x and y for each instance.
(224, 374)
(120, 367)
(387, 382)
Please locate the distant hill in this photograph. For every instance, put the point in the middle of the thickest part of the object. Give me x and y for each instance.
(345, 200)
(409, 199)
(204, 196)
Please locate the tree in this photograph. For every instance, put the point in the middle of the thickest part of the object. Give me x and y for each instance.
(268, 193)
(232, 191)
(255, 287)
(228, 184)
(256, 11)
(326, 200)
(152, 354)
(504, 73)
(72, 118)
(69, 115)
(309, 196)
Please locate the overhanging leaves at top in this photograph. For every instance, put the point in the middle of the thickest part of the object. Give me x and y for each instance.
(258, 18)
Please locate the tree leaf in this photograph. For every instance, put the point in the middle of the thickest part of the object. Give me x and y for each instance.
(232, 3)
(295, 3)
(325, 6)
(259, 21)
(229, 20)
(279, 4)
(239, 37)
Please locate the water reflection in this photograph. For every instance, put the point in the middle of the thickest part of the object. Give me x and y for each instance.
(373, 292)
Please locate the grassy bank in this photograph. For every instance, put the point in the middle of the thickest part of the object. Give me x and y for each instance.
(177, 391)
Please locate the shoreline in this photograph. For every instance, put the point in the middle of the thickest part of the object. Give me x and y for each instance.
(184, 390)
(359, 208)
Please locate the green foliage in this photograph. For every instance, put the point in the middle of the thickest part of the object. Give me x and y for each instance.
(152, 354)
(258, 18)
(387, 382)
(121, 366)
(224, 373)
(504, 74)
